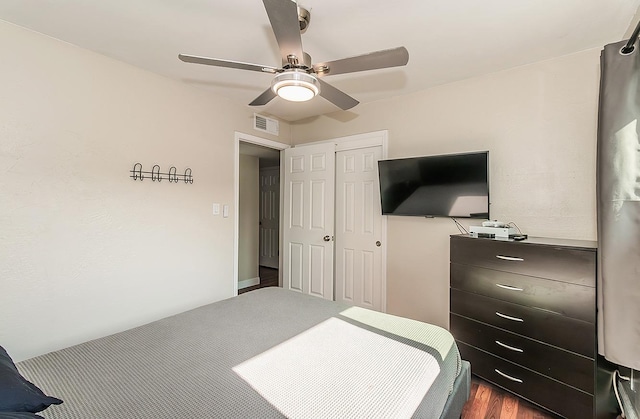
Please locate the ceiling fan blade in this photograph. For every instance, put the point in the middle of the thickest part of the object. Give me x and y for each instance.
(394, 57)
(283, 15)
(337, 97)
(226, 63)
(264, 98)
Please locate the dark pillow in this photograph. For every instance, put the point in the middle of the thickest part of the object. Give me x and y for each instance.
(19, 415)
(16, 393)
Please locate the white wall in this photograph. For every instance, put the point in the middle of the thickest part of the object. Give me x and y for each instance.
(84, 250)
(539, 124)
(248, 217)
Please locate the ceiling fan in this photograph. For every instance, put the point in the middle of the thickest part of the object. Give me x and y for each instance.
(298, 79)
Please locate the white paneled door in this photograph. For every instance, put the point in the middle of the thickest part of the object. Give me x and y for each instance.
(308, 219)
(269, 216)
(359, 224)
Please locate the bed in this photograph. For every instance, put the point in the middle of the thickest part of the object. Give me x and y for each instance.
(269, 353)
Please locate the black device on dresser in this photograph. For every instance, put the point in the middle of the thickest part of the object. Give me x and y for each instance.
(524, 314)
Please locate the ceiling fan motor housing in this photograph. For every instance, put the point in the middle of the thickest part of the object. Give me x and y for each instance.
(294, 62)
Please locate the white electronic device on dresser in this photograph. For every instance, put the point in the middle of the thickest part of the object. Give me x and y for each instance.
(524, 314)
(498, 233)
(494, 229)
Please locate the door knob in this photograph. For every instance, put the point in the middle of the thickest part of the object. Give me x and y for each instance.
(326, 238)
(378, 243)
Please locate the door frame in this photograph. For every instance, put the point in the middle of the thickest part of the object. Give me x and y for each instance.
(353, 142)
(247, 138)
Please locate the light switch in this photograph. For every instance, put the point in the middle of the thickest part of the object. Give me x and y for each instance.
(225, 210)
(216, 209)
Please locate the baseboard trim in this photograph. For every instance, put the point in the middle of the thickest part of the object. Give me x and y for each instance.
(248, 282)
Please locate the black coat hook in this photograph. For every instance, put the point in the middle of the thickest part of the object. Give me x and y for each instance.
(187, 176)
(155, 173)
(136, 173)
(173, 177)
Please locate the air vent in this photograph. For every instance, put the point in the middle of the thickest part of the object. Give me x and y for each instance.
(264, 124)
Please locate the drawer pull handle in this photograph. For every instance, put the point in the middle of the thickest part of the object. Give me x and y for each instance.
(509, 287)
(511, 258)
(511, 348)
(508, 377)
(504, 316)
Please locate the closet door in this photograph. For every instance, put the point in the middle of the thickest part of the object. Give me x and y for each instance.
(359, 225)
(308, 219)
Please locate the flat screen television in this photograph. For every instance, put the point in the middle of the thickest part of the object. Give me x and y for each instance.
(451, 185)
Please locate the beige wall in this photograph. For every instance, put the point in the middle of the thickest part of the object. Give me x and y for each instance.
(84, 250)
(539, 124)
(248, 218)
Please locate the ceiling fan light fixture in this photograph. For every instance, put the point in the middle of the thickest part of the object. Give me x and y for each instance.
(295, 85)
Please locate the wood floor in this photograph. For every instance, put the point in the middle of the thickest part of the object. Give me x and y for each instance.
(490, 402)
(268, 278)
(485, 402)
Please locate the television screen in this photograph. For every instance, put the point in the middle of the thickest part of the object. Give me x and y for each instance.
(453, 185)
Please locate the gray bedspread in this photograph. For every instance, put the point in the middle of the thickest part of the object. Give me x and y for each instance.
(191, 365)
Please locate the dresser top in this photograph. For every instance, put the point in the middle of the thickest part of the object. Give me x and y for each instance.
(541, 241)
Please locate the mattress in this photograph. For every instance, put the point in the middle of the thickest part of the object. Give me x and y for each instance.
(269, 353)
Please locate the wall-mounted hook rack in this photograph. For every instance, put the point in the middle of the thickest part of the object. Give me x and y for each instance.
(156, 175)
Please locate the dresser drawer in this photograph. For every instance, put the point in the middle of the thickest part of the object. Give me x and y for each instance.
(551, 394)
(567, 367)
(567, 333)
(563, 298)
(552, 262)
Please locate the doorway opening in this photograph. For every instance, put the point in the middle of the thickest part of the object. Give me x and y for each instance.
(258, 202)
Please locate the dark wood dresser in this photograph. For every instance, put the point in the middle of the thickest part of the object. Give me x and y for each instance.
(524, 314)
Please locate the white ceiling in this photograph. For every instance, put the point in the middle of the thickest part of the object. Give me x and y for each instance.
(447, 40)
(268, 156)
